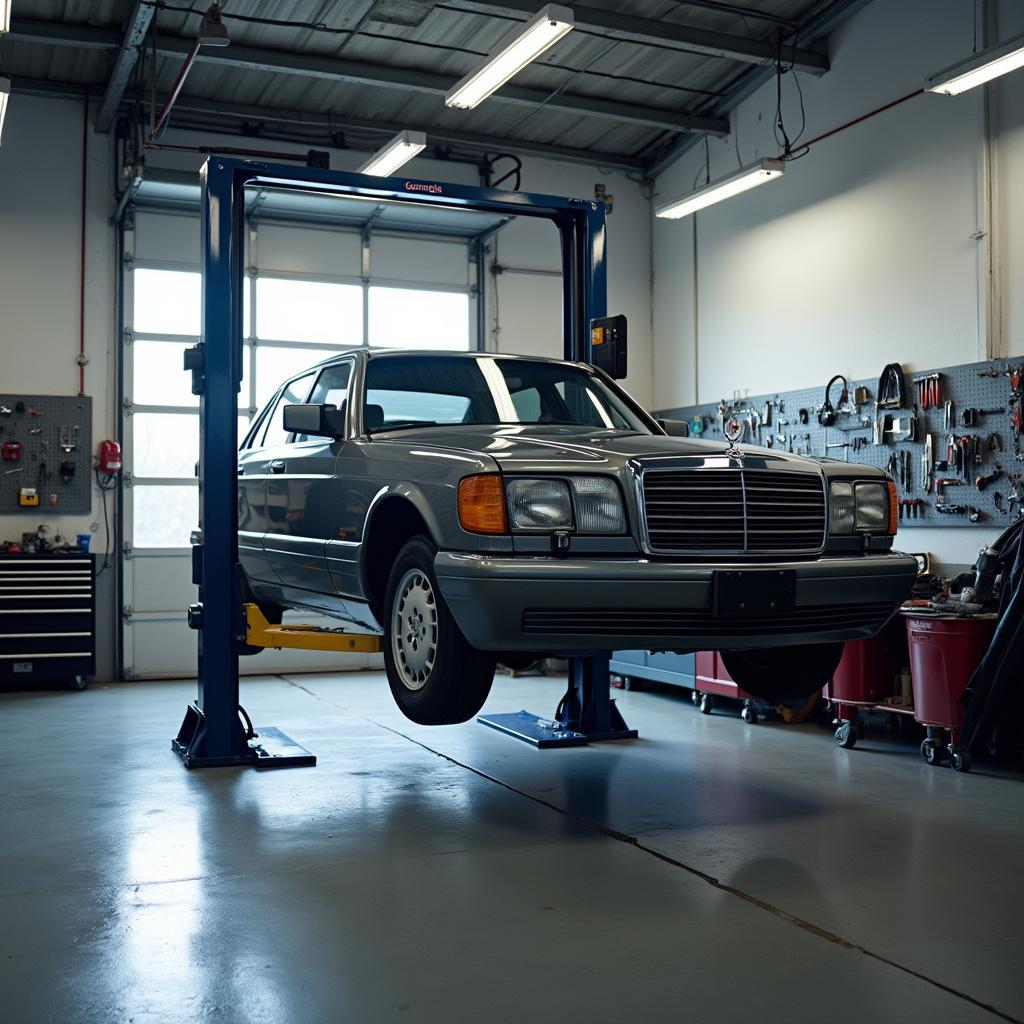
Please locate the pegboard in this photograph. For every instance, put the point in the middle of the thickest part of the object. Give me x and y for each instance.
(54, 435)
(972, 386)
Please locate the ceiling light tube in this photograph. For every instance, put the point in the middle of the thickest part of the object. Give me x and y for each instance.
(978, 69)
(5, 95)
(745, 178)
(401, 149)
(5, 15)
(543, 30)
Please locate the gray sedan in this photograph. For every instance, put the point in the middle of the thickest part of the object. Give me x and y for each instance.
(479, 508)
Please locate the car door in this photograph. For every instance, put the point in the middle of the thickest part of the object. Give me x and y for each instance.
(300, 473)
(252, 480)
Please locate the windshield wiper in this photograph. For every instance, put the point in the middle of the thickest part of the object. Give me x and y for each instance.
(403, 425)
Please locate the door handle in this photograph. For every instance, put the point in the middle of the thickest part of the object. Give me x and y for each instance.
(277, 466)
(241, 470)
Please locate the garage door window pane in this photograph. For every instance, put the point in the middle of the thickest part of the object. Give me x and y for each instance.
(288, 310)
(275, 365)
(164, 517)
(167, 302)
(167, 444)
(159, 378)
(408, 318)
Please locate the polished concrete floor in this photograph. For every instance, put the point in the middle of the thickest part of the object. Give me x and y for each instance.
(709, 871)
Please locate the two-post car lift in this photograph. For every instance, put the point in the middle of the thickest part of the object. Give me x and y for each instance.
(212, 732)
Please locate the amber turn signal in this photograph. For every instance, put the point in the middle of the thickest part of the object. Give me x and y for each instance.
(482, 504)
(894, 508)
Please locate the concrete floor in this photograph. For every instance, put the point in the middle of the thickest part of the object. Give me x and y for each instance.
(710, 871)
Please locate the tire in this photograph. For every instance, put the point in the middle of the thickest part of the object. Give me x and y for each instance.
(783, 673)
(435, 676)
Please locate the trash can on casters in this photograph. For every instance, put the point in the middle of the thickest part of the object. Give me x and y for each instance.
(944, 651)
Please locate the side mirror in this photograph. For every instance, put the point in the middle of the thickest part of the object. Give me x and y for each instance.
(315, 420)
(675, 428)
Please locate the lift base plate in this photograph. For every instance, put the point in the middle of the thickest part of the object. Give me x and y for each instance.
(546, 732)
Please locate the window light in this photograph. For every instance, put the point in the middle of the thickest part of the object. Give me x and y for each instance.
(5, 95)
(401, 149)
(745, 178)
(978, 69)
(542, 31)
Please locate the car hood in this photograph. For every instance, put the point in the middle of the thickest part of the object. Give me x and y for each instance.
(520, 447)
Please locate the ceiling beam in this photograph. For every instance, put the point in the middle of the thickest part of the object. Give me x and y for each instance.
(750, 81)
(286, 125)
(643, 30)
(124, 64)
(366, 73)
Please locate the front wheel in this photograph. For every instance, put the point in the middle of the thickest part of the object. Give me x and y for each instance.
(435, 676)
(783, 673)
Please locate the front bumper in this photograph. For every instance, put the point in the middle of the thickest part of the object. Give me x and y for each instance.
(582, 605)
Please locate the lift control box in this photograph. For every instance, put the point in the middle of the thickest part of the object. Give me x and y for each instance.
(608, 345)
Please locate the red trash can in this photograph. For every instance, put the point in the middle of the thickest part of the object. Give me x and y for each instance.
(944, 652)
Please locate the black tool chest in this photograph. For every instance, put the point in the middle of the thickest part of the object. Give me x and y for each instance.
(47, 617)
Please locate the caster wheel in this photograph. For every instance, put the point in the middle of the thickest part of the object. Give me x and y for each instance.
(706, 703)
(931, 752)
(749, 715)
(629, 683)
(78, 683)
(961, 761)
(892, 724)
(846, 735)
(695, 698)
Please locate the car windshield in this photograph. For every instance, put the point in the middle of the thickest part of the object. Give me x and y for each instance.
(411, 391)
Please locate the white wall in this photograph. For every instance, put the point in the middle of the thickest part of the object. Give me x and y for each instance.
(862, 253)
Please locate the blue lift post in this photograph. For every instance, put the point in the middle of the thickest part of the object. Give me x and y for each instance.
(212, 732)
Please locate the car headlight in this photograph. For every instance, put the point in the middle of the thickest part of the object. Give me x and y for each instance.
(598, 505)
(539, 505)
(862, 507)
(588, 504)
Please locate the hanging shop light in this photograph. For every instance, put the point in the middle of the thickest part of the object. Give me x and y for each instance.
(543, 30)
(978, 69)
(401, 149)
(5, 95)
(714, 192)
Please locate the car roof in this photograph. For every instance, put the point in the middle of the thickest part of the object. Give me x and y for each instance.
(420, 354)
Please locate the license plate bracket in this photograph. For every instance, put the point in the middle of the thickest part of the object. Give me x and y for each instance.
(742, 593)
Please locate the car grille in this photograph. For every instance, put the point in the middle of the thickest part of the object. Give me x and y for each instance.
(668, 622)
(735, 511)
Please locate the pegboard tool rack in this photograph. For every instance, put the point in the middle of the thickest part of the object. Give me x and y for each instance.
(972, 386)
(41, 436)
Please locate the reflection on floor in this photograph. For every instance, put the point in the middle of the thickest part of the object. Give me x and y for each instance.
(709, 871)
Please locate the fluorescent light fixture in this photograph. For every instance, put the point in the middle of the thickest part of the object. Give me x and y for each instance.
(5, 15)
(978, 69)
(543, 30)
(5, 95)
(745, 178)
(401, 149)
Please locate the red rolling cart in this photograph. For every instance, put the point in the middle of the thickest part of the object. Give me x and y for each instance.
(944, 651)
(712, 679)
(867, 678)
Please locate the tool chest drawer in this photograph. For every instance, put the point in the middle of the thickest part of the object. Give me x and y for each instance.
(47, 616)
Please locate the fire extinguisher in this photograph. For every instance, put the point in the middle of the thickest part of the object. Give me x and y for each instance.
(108, 458)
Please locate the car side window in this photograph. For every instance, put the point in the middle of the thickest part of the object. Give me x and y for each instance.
(331, 388)
(294, 393)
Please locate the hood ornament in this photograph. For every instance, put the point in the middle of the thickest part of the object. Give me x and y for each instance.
(733, 431)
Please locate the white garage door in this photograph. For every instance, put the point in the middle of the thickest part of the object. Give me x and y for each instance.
(309, 292)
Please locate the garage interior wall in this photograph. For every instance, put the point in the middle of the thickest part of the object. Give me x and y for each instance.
(40, 207)
(863, 252)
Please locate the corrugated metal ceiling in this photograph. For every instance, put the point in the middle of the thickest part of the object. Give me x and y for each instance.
(448, 41)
